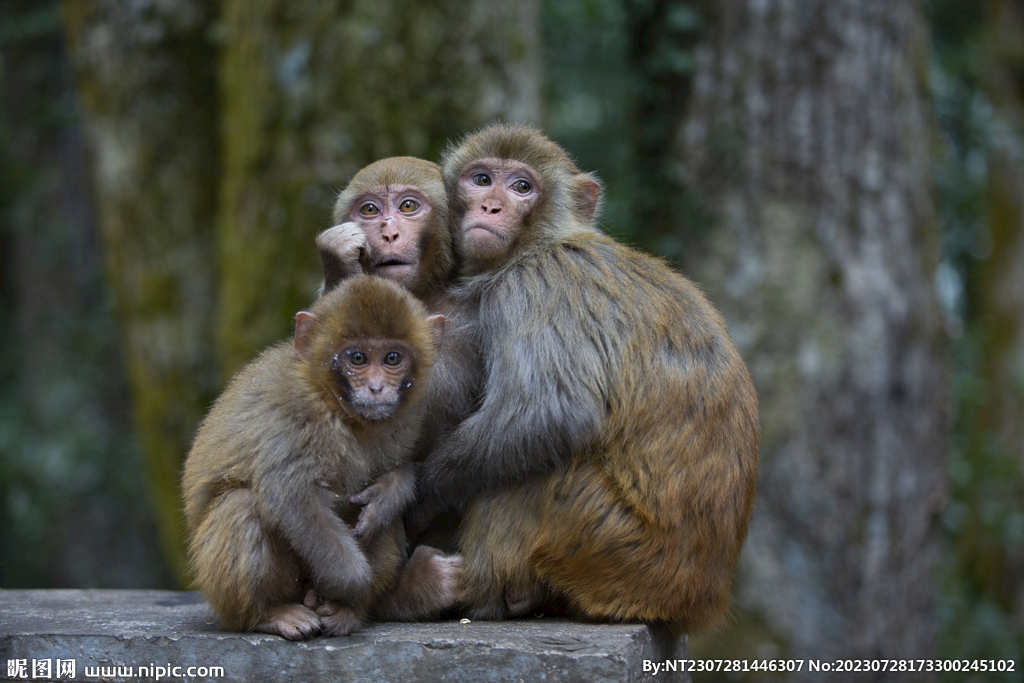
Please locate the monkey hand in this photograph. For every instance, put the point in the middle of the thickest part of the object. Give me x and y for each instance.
(346, 579)
(341, 248)
(347, 242)
(383, 502)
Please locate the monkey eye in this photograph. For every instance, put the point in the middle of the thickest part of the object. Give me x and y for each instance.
(482, 179)
(393, 358)
(357, 358)
(408, 206)
(369, 209)
(522, 186)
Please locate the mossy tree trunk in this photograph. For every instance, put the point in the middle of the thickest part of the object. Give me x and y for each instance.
(147, 85)
(807, 137)
(312, 92)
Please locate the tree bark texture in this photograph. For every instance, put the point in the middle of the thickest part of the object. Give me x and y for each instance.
(808, 139)
(147, 84)
(312, 92)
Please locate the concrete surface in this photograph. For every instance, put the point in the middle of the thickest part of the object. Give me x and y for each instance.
(106, 631)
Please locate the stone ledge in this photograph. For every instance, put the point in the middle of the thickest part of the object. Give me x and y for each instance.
(142, 628)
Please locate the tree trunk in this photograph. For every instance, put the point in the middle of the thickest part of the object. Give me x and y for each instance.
(146, 78)
(808, 137)
(312, 92)
(70, 472)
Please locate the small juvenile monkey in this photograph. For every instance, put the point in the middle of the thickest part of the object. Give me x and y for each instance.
(287, 455)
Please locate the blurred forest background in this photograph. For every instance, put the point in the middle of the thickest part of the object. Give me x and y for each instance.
(844, 178)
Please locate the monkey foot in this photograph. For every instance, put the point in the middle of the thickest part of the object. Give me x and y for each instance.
(292, 621)
(337, 619)
(444, 572)
(312, 599)
(429, 584)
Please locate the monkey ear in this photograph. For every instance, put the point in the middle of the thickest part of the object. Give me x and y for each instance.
(436, 324)
(304, 324)
(588, 196)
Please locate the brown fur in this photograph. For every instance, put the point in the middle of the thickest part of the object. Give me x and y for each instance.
(435, 243)
(612, 462)
(268, 482)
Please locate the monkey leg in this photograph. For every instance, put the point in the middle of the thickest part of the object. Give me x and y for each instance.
(496, 539)
(252, 580)
(612, 562)
(385, 552)
(570, 538)
(429, 584)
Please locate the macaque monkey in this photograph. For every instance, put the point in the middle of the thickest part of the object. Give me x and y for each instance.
(393, 221)
(306, 441)
(610, 466)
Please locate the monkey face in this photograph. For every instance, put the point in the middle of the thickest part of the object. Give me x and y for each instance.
(372, 376)
(393, 218)
(500, 193)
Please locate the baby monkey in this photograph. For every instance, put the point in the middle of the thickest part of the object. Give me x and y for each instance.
(298, 477)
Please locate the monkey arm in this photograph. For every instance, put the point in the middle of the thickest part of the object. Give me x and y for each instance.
(384, 501)
(545, 388)
(290, 500)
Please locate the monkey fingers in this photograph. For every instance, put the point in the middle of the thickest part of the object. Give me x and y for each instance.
(340, 248)
(292, 621)
(312, 599)
(383, 502)
(347, 241)
(337, 619)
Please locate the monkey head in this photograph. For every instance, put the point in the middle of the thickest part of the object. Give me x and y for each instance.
(400, 205)
(510, 187)
(367, 346)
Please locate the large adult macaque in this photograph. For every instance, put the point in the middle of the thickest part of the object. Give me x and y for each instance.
(393, 221)
(308, 440)
(612, 461)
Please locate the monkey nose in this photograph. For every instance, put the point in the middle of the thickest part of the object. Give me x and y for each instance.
(491, 207)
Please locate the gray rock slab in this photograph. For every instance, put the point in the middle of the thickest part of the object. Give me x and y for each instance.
(164, 633)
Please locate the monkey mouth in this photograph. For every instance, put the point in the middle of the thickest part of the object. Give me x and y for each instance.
(375, 412)
(485, 232)
(393, 267)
